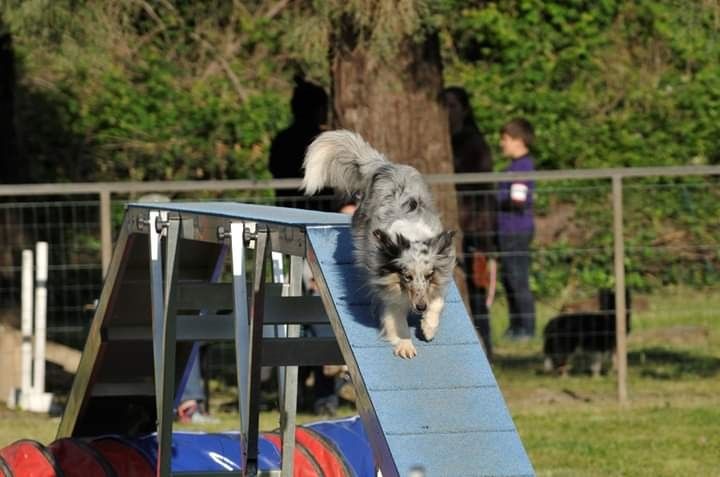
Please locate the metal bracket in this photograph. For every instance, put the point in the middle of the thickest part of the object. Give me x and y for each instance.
(223, 233)
(249, 233)
(161, 223)
(140, 223)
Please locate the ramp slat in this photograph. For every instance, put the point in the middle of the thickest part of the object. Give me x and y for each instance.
(363, 330)
(441, 411)
(463, 454)
(435, 367)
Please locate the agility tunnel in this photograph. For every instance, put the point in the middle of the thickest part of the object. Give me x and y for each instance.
(440, 413)
(335, 448)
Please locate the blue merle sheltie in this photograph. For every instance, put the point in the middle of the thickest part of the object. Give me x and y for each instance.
(398, 237)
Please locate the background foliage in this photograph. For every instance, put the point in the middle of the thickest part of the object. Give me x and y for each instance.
(187, 89)
(183, 89)
(608, 83)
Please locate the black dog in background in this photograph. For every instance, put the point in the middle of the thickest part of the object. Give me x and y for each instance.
(590, 332)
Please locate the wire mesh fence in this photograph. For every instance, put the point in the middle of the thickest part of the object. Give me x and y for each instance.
(671, 260)
(71, 228)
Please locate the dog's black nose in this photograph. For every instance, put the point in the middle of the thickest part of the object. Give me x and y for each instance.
(421, 307)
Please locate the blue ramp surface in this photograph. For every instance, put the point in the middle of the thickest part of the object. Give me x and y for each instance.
(442, 411)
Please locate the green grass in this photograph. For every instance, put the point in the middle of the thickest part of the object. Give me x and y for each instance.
(638, 440)
(574, 426)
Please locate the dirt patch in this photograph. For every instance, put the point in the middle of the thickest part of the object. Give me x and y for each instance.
(673, 335)
(558, 225)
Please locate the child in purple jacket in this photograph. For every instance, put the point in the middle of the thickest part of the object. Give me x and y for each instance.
(516, 228)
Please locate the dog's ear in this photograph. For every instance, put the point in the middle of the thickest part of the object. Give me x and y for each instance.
(386, 243)
(443, 242)
(402, 241)
(390, 246)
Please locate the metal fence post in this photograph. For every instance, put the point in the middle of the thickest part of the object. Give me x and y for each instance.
(105, 230)
(620, 305)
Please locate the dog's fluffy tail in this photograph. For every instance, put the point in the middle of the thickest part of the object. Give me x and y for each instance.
(341, 160)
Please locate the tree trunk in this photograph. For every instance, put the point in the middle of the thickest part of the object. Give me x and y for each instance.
(396, 107)
(7, 108)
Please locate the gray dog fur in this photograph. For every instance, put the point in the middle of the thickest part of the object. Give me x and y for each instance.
(397, 233)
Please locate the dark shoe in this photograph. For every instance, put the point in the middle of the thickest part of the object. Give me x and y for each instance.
(517, 335)
(326, 406)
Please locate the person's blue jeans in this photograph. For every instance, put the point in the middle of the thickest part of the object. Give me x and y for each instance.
(195, 386)
(515, 259)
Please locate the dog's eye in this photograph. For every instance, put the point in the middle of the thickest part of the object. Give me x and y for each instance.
(407, 277)
(429, 275)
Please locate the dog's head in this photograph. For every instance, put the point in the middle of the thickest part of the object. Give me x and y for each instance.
(416, 268)
(606, 303)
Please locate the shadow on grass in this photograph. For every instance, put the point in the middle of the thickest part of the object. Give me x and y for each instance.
(517, 362)
(654, 363)
(663, 363)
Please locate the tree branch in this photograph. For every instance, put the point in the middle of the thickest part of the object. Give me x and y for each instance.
(276, 9)
(239, 90)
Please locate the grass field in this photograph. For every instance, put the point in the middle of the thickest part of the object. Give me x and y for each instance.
(574, 426)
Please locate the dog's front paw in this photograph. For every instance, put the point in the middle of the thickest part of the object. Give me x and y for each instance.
(429, 330)
(405, 349)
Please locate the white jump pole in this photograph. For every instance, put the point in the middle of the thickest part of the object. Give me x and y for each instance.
(41, 276)
(26, 324)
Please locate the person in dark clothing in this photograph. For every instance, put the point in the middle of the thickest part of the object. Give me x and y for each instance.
(476, 208)
(309, 106)
(10, 170)
(516, 228)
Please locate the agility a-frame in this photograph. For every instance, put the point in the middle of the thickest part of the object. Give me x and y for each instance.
(196, 272)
